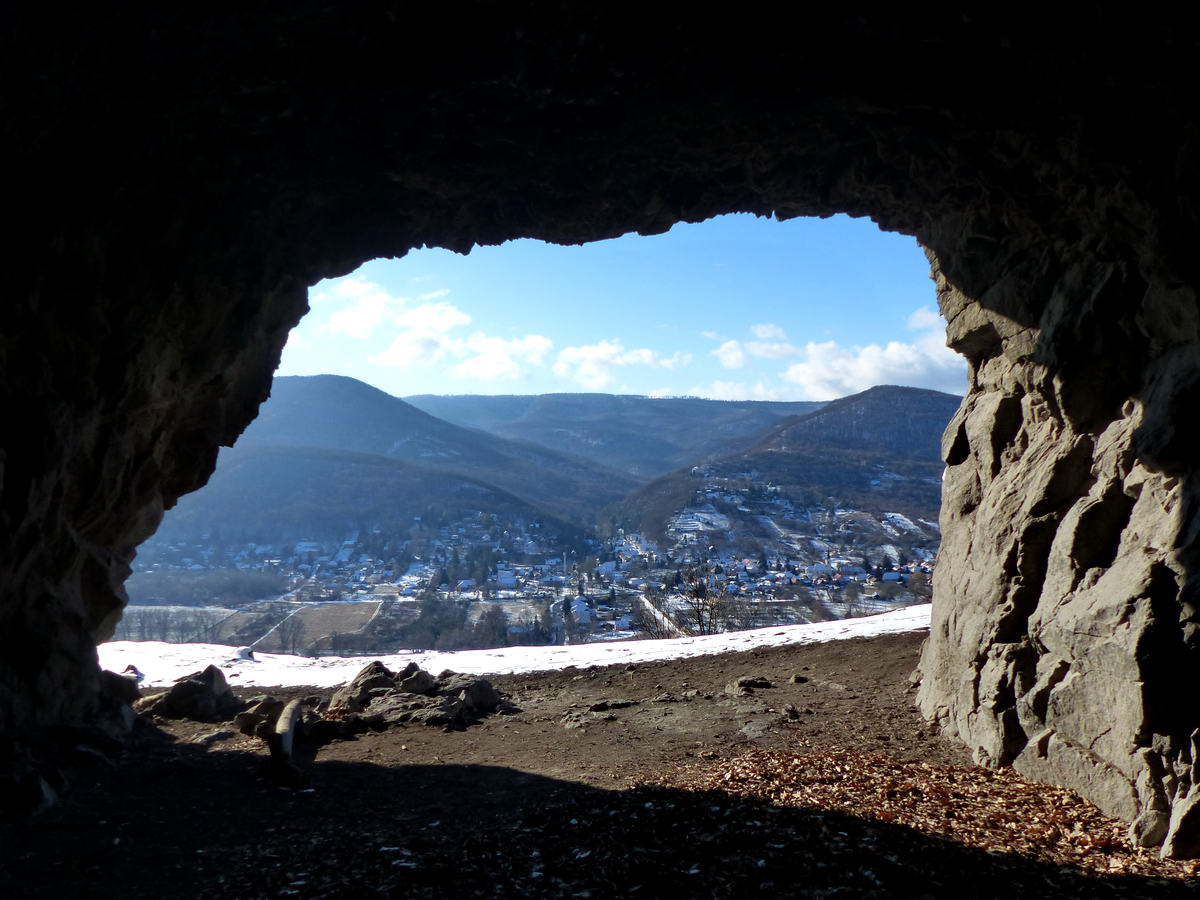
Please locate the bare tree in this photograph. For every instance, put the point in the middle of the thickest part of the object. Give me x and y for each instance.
(852, 593)
(156, 624)
(706, 611)
(291, 634)
(920, 587)
(651, 625)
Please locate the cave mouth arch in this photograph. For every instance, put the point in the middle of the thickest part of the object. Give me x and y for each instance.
(180, 174)
(743, 308)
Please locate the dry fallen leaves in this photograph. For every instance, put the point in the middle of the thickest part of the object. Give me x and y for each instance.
(992, 810)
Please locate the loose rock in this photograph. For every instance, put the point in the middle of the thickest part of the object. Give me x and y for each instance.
(202, 696)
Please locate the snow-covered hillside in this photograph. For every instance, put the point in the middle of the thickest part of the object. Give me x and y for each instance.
(163, 663)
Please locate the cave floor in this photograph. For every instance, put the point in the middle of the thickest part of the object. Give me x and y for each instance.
(827, 783)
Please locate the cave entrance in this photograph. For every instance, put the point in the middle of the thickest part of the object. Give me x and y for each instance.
(163, 263)
(617, 408)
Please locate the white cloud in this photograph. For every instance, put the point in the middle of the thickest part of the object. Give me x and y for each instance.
(924, 319)
(297, 341)
(424, 338)
(768, 332)
(590, 365)
(829, 370)
(771, 350)
(712, 335)
(365, 307)
(433, 318)
(730, 355)
(675, 361)
(498, 359)
(482, 356)
(424, 330)
(412, 348)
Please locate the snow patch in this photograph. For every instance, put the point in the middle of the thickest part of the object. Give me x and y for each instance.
(164, 663)
(903, 522)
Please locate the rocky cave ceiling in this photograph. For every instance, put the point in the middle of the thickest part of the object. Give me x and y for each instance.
(178, 176)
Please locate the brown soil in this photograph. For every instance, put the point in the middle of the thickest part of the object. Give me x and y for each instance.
(828, 785)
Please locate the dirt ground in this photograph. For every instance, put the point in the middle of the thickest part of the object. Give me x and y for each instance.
(643, 781)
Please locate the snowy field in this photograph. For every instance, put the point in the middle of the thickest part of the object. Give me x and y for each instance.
(164, 663)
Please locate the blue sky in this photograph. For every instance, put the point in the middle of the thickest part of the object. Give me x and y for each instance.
(737, 307)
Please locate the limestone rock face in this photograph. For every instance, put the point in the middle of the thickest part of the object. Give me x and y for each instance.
(1064, 630)
(178, 177)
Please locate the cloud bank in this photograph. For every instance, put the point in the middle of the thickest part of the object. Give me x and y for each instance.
(828, 370)
(591, 365)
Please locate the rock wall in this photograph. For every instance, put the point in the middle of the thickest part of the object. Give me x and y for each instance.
(1064, 639)
(178, 175)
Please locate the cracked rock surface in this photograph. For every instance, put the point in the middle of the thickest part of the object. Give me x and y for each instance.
(1064, 630)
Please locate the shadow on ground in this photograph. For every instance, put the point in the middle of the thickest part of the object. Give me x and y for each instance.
(176, 820)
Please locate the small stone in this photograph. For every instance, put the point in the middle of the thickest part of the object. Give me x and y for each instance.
(740, 687)
(214, 737)
(605, 705)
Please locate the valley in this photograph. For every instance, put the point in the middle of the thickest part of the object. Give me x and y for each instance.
(348, 521)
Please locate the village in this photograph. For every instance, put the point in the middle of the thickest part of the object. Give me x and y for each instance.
(741, 554)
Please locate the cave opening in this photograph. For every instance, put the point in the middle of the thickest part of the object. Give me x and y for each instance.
(171, 225)
(538, 344)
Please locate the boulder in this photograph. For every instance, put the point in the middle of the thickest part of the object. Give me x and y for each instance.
(453, 701)
(356, 695)
(260, 713)
(419, 682)
(477, 694)
(396, 708)
(120, 687)
(436, 717)
(202, 696)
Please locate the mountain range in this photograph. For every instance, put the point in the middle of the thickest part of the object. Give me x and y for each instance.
(275, 494)
(339, 413)
(876, 450)
(642, 436)
(328, 452)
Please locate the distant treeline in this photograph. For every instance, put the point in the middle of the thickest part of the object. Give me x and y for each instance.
(207, 587)
(162, 623)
